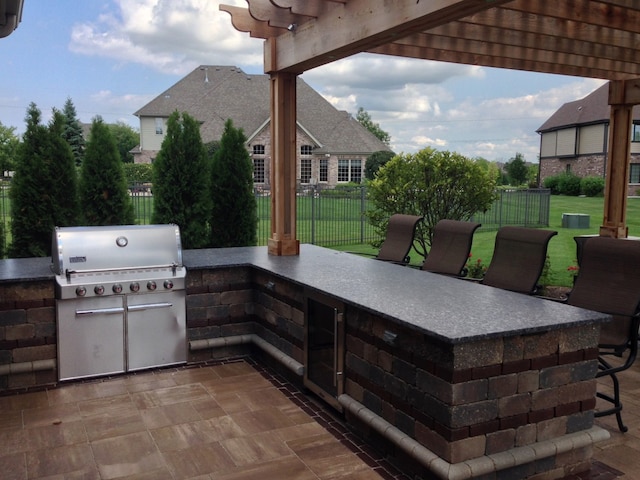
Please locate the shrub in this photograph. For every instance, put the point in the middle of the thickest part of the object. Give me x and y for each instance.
(569, 184)
(592, 186)
(552, 184)
(138, 172)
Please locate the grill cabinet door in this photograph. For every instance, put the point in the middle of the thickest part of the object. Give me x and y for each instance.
(156, 329)
(90, 337)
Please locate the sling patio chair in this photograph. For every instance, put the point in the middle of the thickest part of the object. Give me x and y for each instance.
(609, 282)
(518, 259)
(450, 247)
(398, 239)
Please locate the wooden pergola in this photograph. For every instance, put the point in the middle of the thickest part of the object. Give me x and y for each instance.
(584, 38)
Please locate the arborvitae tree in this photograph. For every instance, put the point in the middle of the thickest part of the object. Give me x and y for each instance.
(31, 221)
(103, 189)
(181, 181)
(234, 218)
(72, 132)
(63, 179)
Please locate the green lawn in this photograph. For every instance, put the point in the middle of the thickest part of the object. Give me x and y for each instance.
(562, 247)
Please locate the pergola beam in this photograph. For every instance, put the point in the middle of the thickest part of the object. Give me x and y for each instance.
(333, 36)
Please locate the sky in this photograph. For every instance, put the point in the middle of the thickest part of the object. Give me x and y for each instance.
(111, 57)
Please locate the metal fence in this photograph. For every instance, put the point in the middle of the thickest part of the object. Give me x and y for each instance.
(332, 217)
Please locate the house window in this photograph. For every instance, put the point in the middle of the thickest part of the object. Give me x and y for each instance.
(634, 173)
(258, 170)
(306, 150)
(567, 168)
(159, 126)
(323, 172)
(350, 171)
(258, 149)
(635, 132)
(305, 170)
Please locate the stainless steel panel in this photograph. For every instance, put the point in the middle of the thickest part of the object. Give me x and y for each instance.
(90, 337)
(113, 247)
(156, 330)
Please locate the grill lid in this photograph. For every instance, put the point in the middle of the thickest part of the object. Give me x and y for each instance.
(81, 249)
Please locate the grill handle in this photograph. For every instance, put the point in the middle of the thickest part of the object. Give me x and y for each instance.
(149, 306)
(99, 311)
(172, 266)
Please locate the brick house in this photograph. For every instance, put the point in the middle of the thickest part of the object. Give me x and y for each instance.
(332, 146)
(575, 139)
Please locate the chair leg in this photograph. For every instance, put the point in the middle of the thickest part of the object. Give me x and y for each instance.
(615, 399)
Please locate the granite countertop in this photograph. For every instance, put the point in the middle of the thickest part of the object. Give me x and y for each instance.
(450, 309)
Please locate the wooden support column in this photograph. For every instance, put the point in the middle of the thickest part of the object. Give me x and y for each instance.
(283, 165)
(623, 95)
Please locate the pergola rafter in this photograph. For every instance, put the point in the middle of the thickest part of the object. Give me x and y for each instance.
(584, 38)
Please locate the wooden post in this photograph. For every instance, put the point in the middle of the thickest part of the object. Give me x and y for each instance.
(283, 165)
(617, 174)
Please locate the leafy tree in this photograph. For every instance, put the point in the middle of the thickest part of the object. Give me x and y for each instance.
(72, 132)
(375, 161)
(9, 143)
(103, 188)
(517, 170)
(126, 138)
(234, 218)
(32, 223)
(181, 181)
(433, 184)
(63, 182)
(364, 119)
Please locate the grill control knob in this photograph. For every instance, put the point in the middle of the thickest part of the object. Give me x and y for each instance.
(134, 287)
(151, 285)
(81, 291)
(168, 284)
(99, 289)
(117, 288)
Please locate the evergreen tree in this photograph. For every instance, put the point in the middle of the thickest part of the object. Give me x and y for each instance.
(234, 218)
(72, 132)
(103, 189)
(181, 181)
(517, 170)
(63, 181)
(31, 224)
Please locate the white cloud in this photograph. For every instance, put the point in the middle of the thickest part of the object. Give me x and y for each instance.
(170, 36)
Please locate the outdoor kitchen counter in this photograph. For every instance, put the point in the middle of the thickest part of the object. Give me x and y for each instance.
(446, 308)
(449, 309)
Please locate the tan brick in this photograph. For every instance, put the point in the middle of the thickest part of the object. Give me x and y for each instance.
(553, 428)
(528, 381)
(20, 332)
(500, 441)
(41, 315)
(541, 345)
(466, 449)
(237, 296)
(29, 354)
(514, 405)
(526, 435)
(473, 355)
(502, 386)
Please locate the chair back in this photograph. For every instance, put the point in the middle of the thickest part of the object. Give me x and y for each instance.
(450, 247)
(399, 238)
(518, 259)
(609, 282)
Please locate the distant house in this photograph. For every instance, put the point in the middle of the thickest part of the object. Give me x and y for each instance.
(332, 146)
(575, 139)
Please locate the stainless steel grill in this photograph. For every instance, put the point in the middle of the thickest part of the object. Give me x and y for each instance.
(120, 298)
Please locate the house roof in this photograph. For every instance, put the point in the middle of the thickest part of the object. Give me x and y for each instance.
(212, 94)
(594, 108)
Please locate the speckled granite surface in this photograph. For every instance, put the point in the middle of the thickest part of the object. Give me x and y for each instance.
(450, 309)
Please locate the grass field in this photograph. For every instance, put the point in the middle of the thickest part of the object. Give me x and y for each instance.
(562, 247)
